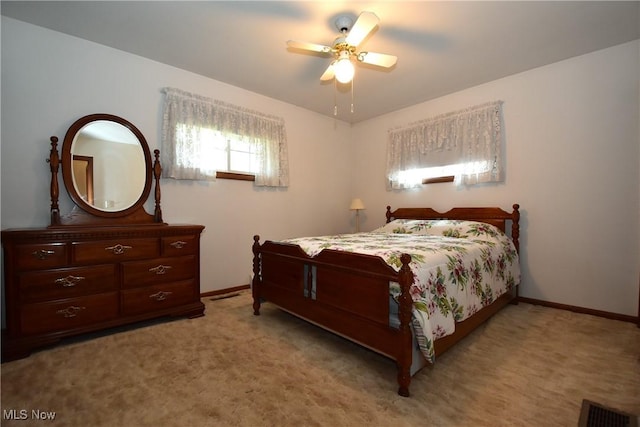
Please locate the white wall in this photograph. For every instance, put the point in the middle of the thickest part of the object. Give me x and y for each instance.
(572, 159)
(49, 80)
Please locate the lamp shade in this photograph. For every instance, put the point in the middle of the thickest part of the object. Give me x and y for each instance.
(356, 205)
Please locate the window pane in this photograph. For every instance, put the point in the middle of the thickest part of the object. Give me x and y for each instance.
(219, 142)
(218, 160)
(213, 150)
(240, 145)
(240, 162)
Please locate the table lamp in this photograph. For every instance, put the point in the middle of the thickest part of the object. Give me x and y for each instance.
(357, 205)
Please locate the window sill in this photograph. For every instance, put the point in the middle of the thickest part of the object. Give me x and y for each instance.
(236, 176)
(438, 180)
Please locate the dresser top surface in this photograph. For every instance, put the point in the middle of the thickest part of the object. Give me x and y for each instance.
(99, 232)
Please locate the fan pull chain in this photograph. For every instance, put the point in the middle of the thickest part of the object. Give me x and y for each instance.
(335, 96)
(352, 85)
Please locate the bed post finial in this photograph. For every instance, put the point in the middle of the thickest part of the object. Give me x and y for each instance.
(388, 214)
(404, 361)
(255, 283)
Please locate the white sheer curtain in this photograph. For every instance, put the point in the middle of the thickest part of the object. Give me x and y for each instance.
(468, 141)
(187, 116)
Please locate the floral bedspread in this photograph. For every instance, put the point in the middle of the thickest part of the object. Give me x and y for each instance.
(459, 268)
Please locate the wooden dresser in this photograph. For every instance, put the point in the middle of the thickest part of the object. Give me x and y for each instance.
(94, 269)
(60, 283)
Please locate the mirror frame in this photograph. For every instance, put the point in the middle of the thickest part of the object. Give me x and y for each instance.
(67, 165)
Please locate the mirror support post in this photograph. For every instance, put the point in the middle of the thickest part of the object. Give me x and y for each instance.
(157, 171)
(54, 163)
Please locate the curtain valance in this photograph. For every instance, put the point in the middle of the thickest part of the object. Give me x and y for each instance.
(471, 139)
(186, 114)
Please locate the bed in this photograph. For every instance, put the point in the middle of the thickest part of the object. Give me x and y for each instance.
(408, 290)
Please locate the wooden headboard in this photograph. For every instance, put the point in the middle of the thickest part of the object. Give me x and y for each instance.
(490, 215)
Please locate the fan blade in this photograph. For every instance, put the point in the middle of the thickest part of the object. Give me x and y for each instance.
(366, 22)
(309, 46)
(379, 59)
(329, 73)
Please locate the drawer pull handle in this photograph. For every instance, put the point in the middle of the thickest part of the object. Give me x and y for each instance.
(179, 244)
(160, 296)
(42, 254)
(117, 249)
(69, 281)
(161, 269)
(70, 311)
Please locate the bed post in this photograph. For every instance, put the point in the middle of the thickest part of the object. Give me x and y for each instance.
(255, 283)
(515, 226)
(515, 236)
(405, 278)
(388, 214)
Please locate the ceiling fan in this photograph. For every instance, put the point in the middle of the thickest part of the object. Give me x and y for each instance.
(345, 48)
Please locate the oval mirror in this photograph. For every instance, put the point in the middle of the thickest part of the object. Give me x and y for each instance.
(106, 165)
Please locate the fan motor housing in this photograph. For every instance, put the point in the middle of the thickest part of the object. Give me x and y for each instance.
(343, 23)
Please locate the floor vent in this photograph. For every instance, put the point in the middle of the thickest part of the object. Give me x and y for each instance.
(596, 415)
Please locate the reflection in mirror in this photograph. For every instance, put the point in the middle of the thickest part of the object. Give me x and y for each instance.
(118, 166)
(83, 177)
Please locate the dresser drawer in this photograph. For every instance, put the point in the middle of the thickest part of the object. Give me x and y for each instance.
(69, 313)
(157, 297)
(105, 251)
(41, 256)
(179, 245)
(66, 282)
(159, 270)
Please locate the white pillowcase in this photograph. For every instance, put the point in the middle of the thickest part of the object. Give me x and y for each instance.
(440, 227)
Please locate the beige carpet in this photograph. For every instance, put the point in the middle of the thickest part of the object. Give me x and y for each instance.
(528, 366)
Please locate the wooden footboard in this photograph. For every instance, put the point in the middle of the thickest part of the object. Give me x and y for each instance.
(353, 300)
(354, 297)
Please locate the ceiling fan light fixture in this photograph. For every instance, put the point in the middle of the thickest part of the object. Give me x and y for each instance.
(345, 51)
(344, 69)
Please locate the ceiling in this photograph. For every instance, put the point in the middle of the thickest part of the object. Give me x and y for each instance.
(442, 47)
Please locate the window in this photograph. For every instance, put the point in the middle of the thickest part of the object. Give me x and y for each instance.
(204, 139)
(465, 146)
(217, 151)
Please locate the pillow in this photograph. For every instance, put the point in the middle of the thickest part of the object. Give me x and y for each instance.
(441, 227)
(471, 229)
(405, 226)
